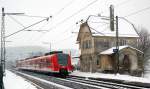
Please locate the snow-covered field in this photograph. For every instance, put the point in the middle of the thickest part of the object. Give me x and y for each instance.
(111, 76)
(12, 81)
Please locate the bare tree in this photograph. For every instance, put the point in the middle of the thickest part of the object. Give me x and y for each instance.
(144, 45)
(144, 41)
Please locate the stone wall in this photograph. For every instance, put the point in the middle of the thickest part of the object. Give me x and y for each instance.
(88, 63)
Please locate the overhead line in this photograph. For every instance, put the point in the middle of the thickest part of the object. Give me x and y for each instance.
(124, 2)
(117, 5)
(63, 39)
(59, 33)
(144, 9)
(16, 21)
(66, 30)
(26, 28)
(98, 22)
(41, 35)
(97, 31)
(73, 15)
(64, 7)
(23, 25)
(32, 16)
(61, 22)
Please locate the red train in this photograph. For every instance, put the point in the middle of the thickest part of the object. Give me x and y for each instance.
(50, 63)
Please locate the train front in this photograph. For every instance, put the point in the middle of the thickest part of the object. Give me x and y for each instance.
(64, 63)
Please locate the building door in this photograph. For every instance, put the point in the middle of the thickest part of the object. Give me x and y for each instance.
(126, 63)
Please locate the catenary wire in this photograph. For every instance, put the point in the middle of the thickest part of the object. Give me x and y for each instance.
(74, 14)
(61, 22)
(16, 20)
(63, 8)
(131, 14)
(32, 16)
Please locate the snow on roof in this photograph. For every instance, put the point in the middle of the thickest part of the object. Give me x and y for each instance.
(110, 50)
(100, 27)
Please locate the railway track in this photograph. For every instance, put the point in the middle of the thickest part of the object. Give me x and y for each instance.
(38, 82)
(83, 83)
(107, 84)
(59, 81)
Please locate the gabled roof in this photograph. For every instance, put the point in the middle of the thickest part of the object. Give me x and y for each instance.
(100, 27)
(110, 50)
(81, 29)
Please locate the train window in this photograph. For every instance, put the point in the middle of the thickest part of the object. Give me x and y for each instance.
(48, 62)
(62, 59)
(42, 64)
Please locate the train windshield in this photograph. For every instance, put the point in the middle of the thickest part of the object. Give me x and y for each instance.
(62, 59)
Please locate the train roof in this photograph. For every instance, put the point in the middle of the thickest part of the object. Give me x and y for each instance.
(39, 57)
(53, 52)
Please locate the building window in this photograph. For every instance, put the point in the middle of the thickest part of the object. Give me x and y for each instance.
(87, 44)
(98, 44)
(102, 43)
(83, 45)
(122, 42)
(106, 43)
(98, 61)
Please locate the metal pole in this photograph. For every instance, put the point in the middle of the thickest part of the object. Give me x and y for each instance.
(2, 50)
(4, 44)
(111, 17)
(117, 44)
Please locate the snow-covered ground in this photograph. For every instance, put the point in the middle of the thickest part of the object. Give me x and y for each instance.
(147, 75)
(12, 81)
(111, 76)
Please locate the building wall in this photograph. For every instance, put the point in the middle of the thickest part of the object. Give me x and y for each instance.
(131, 66)
(87, 58)
(106, 62)
(132, 58)
(112, 42)
(91, 46)
(88, 63)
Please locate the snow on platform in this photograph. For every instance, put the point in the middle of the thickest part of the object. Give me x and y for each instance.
(13, 81)
(111, 76)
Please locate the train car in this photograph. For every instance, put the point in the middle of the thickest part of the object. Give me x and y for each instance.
(53, 63)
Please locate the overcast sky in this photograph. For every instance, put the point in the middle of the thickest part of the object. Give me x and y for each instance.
(65, 14)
